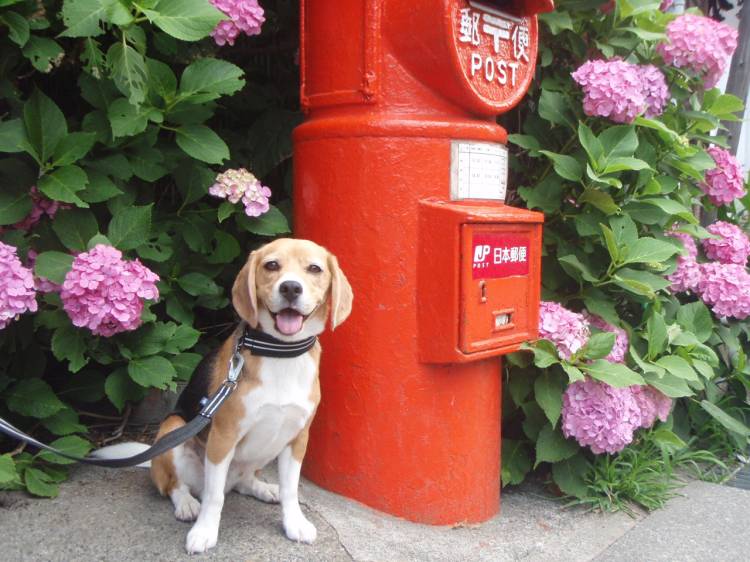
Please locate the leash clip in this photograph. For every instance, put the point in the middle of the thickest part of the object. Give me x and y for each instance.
(235, 367)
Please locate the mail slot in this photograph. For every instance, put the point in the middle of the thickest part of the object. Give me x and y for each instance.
(482, 263)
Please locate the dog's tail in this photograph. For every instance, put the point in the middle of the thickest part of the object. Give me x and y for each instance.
(121, 451)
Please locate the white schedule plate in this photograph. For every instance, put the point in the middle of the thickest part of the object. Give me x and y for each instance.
(479, 170)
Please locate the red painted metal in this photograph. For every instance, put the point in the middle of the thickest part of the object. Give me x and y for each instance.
(386, 88)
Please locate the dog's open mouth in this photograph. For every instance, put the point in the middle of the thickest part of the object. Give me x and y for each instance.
(288, 321)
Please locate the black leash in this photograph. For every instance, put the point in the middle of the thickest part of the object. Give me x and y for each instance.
(168, 441)
(259, 343)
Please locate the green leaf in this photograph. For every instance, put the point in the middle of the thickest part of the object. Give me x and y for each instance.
(63, 185)
(202, 143)
(548, 390)
(82, 17)
(185, 337)
(7, 469)
(226, 210)
(196, 284)
(71, 444)
(619, 141)
(622, 163)
(565, 166)
(152, 371)
(269, 224)
(12, 136)
(53, 265)
(656, 330)
(64, 422)
(33, 398)
(75, 227)
(624, 230)
(193, 181)
(189, 20)
(695, 317)
(640, 282)
(161, 79)
(650, 250)
(599, 345)
(45, 125)
(658, 126)
(725, 104)
(42, 52)
(18, 27)
(599, 199)
(668, 384)
(570, 475)
(614, 374)
(671, 207)
(68, 343)
(128, 120)
(516, 461)
(185, 364)
(120, 389)
(100, 188)
(528, 142)
(551, 446)
(612, 247)
(577, 266)
(590, 144)
(677, 366)
(208, 79)
(546, 195)
(629, 8)
(545, 353)
(129, 71)
(729, 422)
(38, 483)
(555, 108)
(14, 206)
(519, 385)
(72, 148)
(130, 227)
(573, 372)
(557, 21)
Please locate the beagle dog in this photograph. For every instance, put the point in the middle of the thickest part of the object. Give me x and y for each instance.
(287, 290)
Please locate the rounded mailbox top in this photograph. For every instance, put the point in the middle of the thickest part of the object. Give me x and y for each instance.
(494, 50)
(480, 54)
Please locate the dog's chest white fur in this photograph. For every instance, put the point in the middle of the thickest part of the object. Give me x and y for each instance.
(276, 410)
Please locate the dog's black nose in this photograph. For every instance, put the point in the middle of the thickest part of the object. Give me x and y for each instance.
(290, 290)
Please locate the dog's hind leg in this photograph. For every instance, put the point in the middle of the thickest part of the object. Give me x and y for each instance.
(249, 484)
(177, 473)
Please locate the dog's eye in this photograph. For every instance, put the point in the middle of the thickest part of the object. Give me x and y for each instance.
(272, 266)
(314, 268)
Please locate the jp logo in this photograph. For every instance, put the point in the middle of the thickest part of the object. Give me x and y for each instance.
(481, 252)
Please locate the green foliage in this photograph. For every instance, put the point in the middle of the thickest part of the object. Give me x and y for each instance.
(125, 112)
(611, 193)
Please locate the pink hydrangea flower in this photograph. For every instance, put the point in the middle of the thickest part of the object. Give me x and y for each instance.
(41, 284)
(620, 349)
(600, 416)
(568, 330)
(40, 206)
(688, 272)
(652, 403)
(236, 185)
(725, 182)
(621, 91)
(612, 89)
(245, 16)
(733, 245)
(700, 45)
(656, 90)
(105, 293)
(16, 286)
(725, 287)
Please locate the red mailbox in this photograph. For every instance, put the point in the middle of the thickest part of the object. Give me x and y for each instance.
(401, 169)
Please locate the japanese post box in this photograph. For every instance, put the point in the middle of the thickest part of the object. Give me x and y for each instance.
(400, 169)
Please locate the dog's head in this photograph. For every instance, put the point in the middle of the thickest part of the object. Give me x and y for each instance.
(288, 288)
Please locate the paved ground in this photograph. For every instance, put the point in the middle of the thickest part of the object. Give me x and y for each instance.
(107, 515)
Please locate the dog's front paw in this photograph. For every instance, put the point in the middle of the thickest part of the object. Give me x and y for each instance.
(266, 492)
(201, 538)
(187, 509)
(299, 529)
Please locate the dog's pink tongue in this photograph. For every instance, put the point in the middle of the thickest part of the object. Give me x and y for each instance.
(289, 322)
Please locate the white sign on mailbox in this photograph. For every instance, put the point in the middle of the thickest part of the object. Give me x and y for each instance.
(479, 170)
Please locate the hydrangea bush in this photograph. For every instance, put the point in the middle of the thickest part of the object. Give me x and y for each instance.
(643, 324)
(128, 132)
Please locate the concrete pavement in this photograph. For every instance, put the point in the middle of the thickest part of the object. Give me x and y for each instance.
(108, 515)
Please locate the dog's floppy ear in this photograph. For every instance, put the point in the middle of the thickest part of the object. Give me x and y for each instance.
(341, 293)
(244, 297)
